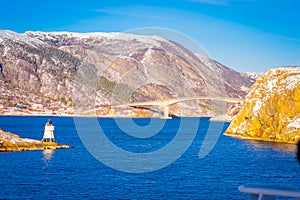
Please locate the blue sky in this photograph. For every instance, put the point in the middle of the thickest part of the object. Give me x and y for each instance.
(246, 35)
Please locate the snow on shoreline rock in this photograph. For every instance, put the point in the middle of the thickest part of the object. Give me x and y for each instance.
(271, 111)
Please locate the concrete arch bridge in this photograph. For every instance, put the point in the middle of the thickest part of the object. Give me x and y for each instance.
(166, 103)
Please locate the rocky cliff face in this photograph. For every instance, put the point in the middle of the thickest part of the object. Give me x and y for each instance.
(151, 67)
(271, 111)
(36, 66)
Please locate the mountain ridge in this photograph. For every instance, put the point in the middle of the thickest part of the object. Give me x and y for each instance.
(48, 63)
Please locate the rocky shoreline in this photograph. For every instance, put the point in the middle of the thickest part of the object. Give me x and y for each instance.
(271, 111)
(10, 142)
(259, 139)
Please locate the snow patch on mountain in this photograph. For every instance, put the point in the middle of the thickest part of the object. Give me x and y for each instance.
(293, 81)
(6, 49)
(295, 123)
(252, 75)
(148, 40)
(257, 107)
(10, 35)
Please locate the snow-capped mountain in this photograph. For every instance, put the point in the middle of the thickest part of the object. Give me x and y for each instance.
(271, 110)
(48, 63)
(251, 75)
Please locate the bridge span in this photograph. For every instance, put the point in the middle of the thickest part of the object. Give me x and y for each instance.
(166, 103)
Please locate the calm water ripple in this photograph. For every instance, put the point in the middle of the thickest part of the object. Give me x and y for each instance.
(74, 173)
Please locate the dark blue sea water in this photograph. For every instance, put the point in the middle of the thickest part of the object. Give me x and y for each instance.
(76, 174)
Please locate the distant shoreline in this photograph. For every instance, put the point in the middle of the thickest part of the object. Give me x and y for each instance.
(81, 116)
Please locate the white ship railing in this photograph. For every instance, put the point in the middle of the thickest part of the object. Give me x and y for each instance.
(269, 192)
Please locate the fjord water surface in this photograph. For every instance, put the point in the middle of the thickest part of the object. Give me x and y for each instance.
(75, 173)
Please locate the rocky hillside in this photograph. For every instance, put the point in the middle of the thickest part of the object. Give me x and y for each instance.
(146, 67)
(252, 76)
(271, 111)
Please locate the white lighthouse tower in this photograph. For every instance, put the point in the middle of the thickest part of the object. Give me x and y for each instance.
(48, 132)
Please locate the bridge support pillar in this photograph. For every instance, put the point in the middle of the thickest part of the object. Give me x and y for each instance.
(166, 112)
